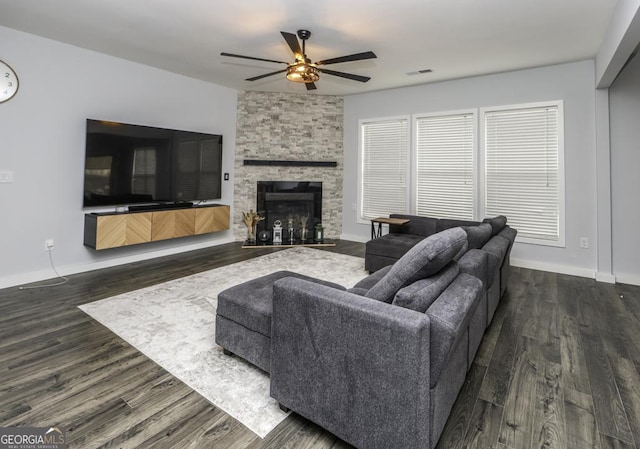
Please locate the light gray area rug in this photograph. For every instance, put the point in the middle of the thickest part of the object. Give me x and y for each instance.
(174, 325)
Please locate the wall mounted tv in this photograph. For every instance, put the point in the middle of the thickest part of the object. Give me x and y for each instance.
(132, 164)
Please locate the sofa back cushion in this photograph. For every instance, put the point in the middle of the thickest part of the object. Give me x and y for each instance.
(424, 226)
(446, 223)
(508, 233)
(497, 223)
(426, 258)
(476, 263)
(421, 294)
(477, 236)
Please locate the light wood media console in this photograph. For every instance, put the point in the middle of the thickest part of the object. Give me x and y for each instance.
(116, 229)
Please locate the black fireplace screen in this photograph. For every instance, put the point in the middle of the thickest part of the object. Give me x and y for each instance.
(294, 203)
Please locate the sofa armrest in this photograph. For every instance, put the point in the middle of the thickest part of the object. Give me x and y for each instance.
(357, 367)
(450, 316)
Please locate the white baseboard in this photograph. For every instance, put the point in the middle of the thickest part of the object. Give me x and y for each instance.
(605, 277)
(554, 268)
(523, 263)
(48, 274)
(627, 278)
(354, 238)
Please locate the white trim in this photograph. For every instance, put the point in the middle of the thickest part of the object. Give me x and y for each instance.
(554, 268)
(355, 238)
(628, 278)
(43, 275)
(604, 242)
(606, 277)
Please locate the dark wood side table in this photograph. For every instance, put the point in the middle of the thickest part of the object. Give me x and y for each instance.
(375, 233)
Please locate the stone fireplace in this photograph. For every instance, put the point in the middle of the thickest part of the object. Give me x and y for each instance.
(289, 127)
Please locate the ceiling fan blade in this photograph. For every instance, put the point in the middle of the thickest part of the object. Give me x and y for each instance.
(255, 78)
(351, 76)
(251, 57)
(354, 57)
(292, 40)
(310, 86)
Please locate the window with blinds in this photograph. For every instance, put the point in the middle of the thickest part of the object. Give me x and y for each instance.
(384, 157)
(444, 169)
(523, 164)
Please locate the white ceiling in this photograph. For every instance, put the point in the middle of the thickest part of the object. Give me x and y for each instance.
(454, 38)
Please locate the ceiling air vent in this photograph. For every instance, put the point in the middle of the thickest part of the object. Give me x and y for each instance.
(420, 72)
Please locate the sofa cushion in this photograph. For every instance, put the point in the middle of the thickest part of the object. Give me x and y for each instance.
(392, 245)
(446, 223)
(498, 246)
(508, 233)
(478, 235)
(423, 226)
(249, 304)
(497, 223)
(476, 263)
(421, 294)
(426, 258)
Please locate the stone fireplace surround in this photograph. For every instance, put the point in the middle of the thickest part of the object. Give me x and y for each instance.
(293, 127)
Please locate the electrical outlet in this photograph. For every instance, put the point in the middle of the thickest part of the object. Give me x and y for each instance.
(48, 244)
(6, 176)
(584, 242)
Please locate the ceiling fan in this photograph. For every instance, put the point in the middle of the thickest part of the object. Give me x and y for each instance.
(303, 70)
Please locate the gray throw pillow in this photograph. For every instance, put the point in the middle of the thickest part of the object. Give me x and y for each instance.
(477, 236)
(497, 223)
(427, 257)
(421, 294)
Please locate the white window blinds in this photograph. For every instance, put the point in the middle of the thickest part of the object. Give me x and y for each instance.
(445, 176)
(384, 175)
(523, 170)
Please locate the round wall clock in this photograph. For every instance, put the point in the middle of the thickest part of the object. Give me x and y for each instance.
(8, 82)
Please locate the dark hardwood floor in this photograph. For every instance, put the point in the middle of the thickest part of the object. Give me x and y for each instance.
(558, 368)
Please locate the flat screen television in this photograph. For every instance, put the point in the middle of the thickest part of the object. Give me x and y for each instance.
(129, 164)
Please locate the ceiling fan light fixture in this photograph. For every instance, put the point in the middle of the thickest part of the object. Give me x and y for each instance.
(303, 72)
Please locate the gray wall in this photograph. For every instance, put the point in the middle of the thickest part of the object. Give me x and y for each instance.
(277, 126)
(42, 141)
(573, 83)
(624, 100)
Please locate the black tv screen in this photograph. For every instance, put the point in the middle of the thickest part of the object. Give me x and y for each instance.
(132, 164)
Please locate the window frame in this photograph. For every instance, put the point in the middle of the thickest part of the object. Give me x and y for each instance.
(482, 153)
(473, 112)
(360, 200)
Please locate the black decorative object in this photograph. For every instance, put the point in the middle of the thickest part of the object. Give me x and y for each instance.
(262, 162)
(264, 236)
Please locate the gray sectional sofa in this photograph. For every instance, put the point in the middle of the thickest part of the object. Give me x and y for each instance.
(381, 364)
(386, 250)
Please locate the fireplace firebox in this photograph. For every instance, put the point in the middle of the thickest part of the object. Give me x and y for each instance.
(291, 203)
